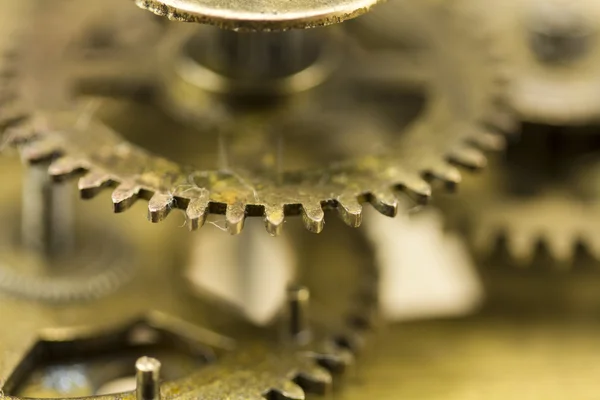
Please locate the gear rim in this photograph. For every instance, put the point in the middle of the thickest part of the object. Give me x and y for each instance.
(198, 201)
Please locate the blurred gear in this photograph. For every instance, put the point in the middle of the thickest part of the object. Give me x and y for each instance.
(553, 50)
(321, 333)
(240, 159)
(543, 195)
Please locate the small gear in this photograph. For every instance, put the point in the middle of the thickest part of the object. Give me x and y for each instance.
(525, 224)
(549, 201)
(99, 270)
(284, 360)
(553, 48)
(452, 128)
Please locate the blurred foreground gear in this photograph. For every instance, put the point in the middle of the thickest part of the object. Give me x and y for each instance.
(321, 124)
(76, 349)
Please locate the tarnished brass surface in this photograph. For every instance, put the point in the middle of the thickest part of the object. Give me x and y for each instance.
(353, 134)
(259, 14)
(155, 313)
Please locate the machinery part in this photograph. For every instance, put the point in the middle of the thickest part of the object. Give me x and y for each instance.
(553, 49)
(547, 201)
(352, 168)
(264, 362)
(41, 261)
(94, 270)
(259, 15)
(561, 225)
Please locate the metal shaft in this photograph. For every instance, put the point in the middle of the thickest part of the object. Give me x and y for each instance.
(298, 304)
(147, 378)
(559, 33)
(259, 55)
(47, 223)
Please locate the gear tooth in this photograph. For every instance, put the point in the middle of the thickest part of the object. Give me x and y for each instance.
(317, 374)
(334, 358)
(351, 341)
(521, 247)
(350, 210)
(196, 212)
(560, 245)
(64, 167)
(17, 135)
(502, 121)
(274, 218)
(235, 216)
(385, 201)
(489, 141)
(314, 379)
(592, 246)
(447, 174)
(92, 183)
(313, 216)
(39, 151)
(288, 390)
(417, 189)
(10, 113)
(468, 157)
(159, 206)
(124, 196)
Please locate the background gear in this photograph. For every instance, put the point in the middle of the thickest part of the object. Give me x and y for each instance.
(552, 48)
(542, 194)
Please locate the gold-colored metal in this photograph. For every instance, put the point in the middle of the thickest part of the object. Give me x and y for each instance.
(357, 138)
(252, 361)
(259, 15)
(553, 49)
(147, 372)
(274, 124)
(543, 194)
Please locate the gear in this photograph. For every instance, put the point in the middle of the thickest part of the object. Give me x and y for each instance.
(553, 49)
(261, 14)
(548, 201)
(263, 362)
(100, 270)
(452, 128)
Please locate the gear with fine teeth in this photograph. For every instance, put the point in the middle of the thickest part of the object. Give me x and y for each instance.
(313, 344)
(357, 134)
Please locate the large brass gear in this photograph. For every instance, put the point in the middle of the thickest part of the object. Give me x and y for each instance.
(284, 358)
(453, 128)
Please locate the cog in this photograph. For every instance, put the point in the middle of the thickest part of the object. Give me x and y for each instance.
(352, 168)
(259, 14)
(524, 226)
(552, 48)
(547, 202)
(251, 362)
